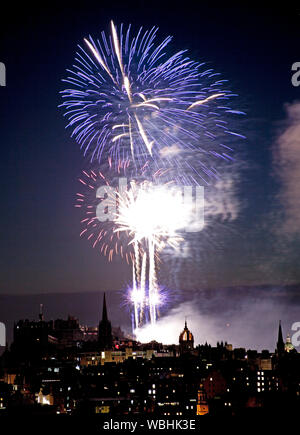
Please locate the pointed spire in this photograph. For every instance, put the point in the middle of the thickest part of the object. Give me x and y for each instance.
(185, 324)
(280, 336)
(280, 342)
(104, 309)
(104, 329)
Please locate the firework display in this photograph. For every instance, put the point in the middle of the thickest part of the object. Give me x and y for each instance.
(153, 122)
(129, 100)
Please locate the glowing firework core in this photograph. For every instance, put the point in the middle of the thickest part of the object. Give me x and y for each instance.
(144, 111)
(152, 215)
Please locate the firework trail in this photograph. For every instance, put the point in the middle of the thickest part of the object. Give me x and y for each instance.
(151, 215)
(128, 99)
(136, 228)
(149, 115)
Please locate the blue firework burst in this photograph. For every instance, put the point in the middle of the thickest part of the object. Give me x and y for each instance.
(130, 100)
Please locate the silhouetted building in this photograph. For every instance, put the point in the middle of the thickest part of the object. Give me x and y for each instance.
(31, 334)
(104, 331)
(68, 332)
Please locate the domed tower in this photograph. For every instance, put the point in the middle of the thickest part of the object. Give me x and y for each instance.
(288, 347)
(186, 340)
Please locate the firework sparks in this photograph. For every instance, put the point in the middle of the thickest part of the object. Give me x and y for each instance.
(103, 233)
(129, 100)
(152, 216)
(131, 104)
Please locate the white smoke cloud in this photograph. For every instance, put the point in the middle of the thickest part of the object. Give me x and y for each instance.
(221, 203)
(168, 328)
(252, 323)
(286, 159)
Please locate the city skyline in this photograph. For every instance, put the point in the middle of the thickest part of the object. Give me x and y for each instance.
(210, 325)
(58, 367)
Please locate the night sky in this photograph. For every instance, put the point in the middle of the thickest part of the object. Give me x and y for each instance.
(41, 251)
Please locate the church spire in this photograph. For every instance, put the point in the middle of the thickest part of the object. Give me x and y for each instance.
(104, 309)
(280, 342)
(104, 329)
